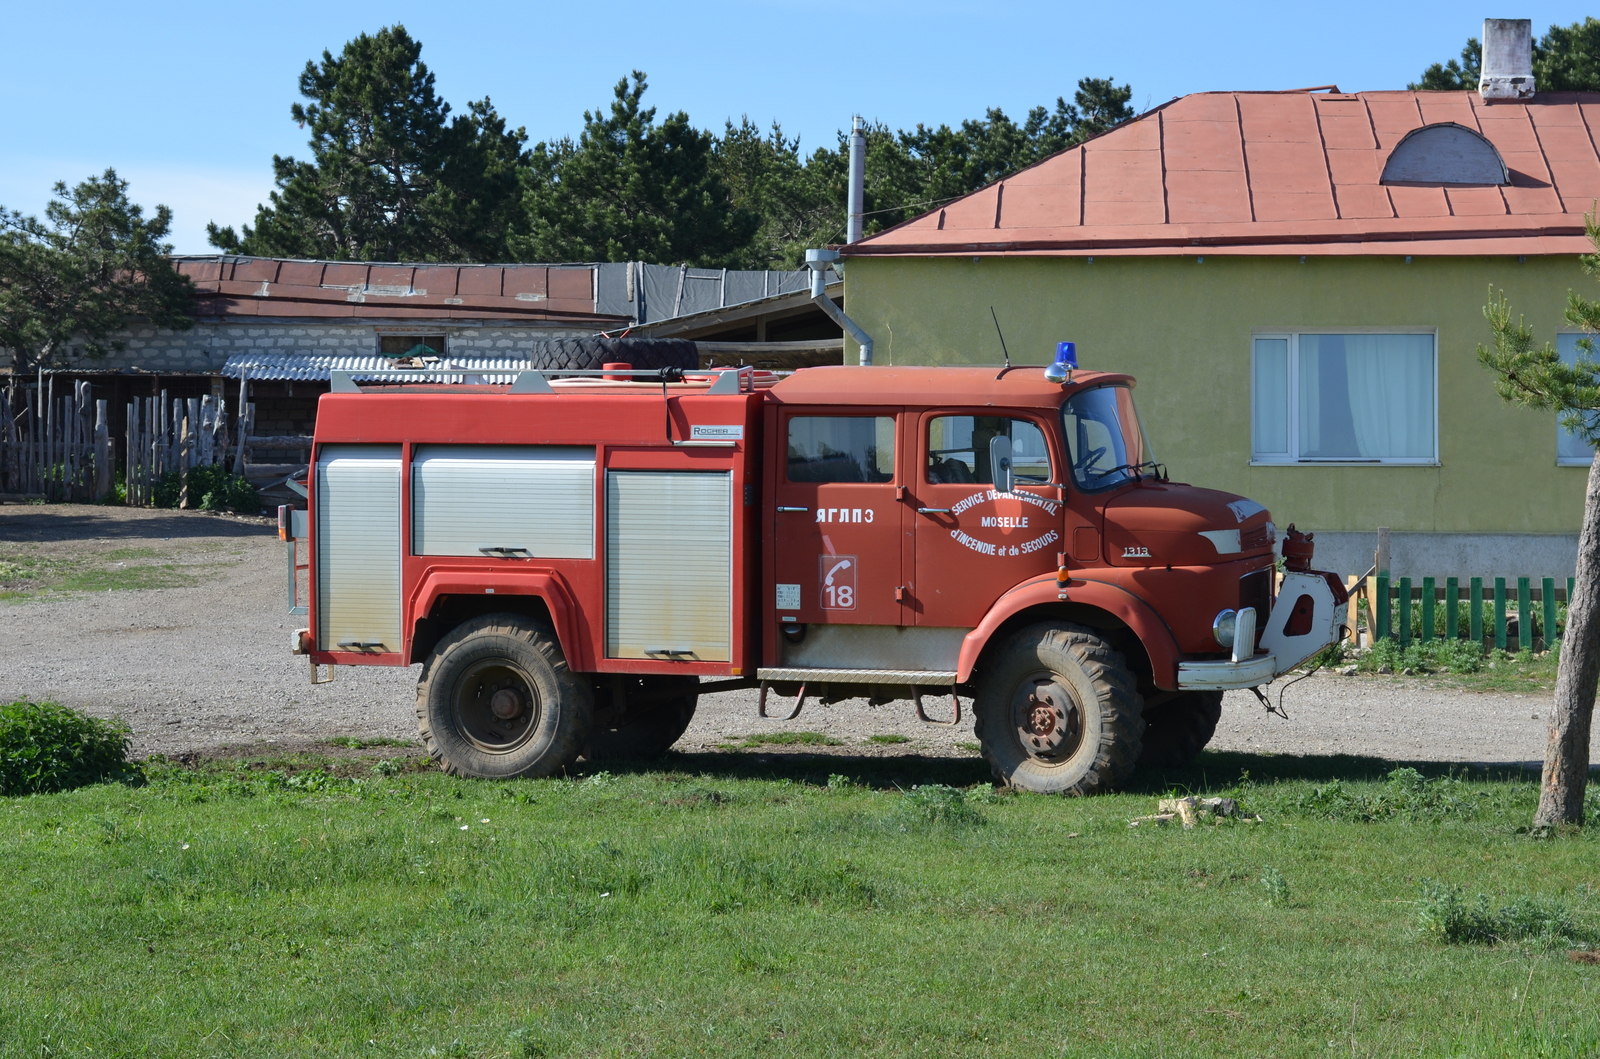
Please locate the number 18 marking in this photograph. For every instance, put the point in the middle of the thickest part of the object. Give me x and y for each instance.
(838, 588)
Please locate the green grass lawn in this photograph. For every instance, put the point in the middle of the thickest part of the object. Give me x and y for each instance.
(716, 906)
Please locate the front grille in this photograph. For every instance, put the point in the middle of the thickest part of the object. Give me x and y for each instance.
(1255, 590)
(1251, 539)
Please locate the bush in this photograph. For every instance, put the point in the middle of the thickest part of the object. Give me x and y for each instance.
(211, 488)
(46, 747)
(1446, 915)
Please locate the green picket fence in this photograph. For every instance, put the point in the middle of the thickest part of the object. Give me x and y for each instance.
(1478, 611)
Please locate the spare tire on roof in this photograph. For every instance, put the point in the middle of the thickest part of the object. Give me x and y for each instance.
(580, 354)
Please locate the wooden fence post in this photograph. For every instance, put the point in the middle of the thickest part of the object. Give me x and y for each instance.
(1547, 589)
(1427, 609)
(102, 452)
(1452, 608)
(1500, 613)
(1475, 611)
(183, 462)
(1380, 613)
(1524, 615)
(1405, 613)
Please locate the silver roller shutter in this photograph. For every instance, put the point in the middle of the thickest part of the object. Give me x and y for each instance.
(538, 498)
(669, 565)
(358, 547)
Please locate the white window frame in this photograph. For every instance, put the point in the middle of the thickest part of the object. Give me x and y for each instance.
(1293, 459)
(1572, 461)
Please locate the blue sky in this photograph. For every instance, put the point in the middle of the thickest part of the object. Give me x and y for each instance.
(190, 102)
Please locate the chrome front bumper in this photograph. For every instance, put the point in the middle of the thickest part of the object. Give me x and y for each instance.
(1225, 676)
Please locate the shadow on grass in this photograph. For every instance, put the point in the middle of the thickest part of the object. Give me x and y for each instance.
(78, 522)
(1212, 773)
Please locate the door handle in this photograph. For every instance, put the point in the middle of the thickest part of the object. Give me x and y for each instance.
(794, 509)
(933, 511)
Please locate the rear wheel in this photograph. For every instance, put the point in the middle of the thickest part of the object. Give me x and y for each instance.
(1177, 730)
(653, 714)
(497, 701)
(1058, 712)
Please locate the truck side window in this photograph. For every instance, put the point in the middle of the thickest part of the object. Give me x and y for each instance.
(841, 449)
(958, 450)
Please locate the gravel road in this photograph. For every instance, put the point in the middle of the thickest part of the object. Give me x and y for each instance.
(198, 659)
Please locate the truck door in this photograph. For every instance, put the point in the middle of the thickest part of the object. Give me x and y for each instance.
(972, 543)
(838, 531)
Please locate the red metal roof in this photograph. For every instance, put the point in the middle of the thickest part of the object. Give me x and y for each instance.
(1283, 173)
(275, 287)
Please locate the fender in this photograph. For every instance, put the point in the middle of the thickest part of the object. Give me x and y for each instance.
(477, 581)
(1115, 600)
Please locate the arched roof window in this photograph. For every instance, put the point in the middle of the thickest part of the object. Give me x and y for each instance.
(1445, 153)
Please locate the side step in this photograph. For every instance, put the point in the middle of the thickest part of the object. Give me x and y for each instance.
(924, 677)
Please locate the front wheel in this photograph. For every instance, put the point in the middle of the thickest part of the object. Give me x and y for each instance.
(1058, 712)
(1178, 729)
(497, 701)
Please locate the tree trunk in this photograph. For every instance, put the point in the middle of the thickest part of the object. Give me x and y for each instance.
(1566, 755)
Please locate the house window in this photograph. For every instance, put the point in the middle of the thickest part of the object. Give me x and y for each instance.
(1572, 450)
(411, 345)
(1344, 398)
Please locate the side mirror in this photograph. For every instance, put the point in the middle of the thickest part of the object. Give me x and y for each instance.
(1000, 462)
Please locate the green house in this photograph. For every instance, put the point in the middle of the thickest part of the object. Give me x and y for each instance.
(1297, 279)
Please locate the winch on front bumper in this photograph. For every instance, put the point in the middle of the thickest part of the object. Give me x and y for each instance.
(1304, 619)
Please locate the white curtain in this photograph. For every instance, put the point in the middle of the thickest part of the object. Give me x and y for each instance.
(1385, 409)
(1271, 398)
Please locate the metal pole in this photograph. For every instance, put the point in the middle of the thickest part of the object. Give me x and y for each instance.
(858, 178)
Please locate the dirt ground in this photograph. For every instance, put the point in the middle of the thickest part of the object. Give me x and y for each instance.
(176, 621)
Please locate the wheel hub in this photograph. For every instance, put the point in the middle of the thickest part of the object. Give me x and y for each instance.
(1046, 719)
(495, 706)
(506, 704)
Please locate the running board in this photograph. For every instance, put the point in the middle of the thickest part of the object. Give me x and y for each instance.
(923, 677)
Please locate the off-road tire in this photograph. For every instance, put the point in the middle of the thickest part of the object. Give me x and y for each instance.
(470, 664)
(1059, 665)
(644, 731)
(579, 354)
(1177, 730)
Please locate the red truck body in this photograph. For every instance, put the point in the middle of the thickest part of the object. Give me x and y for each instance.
(838, 528)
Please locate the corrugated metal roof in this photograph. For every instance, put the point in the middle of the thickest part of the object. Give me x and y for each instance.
(1283, 173)
(369, 367)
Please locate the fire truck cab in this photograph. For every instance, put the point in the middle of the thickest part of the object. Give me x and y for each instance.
(573, 559)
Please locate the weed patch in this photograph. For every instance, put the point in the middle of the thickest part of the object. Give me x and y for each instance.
(892, 739)
(938, 805)
(1444, 914)
(1407, 794)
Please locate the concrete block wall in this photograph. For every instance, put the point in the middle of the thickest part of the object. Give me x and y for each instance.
(207, 346)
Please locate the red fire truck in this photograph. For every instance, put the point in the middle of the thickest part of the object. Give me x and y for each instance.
(574, 558)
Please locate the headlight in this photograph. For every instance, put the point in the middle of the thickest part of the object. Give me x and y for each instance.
(1222, 627)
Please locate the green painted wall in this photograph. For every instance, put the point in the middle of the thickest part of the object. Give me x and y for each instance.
(1183, 327)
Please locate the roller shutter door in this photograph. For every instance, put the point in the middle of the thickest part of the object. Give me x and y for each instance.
(669, 565)
(358, 547)
(538, 498)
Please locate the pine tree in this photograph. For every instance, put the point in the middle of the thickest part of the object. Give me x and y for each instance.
(70, 283)
(630, 189)
(1536, 378)
(393, 177)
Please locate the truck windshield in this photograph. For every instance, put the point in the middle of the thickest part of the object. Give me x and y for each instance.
(1105, 442)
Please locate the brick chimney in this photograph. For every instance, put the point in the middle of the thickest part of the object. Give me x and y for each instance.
(1507, 60)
